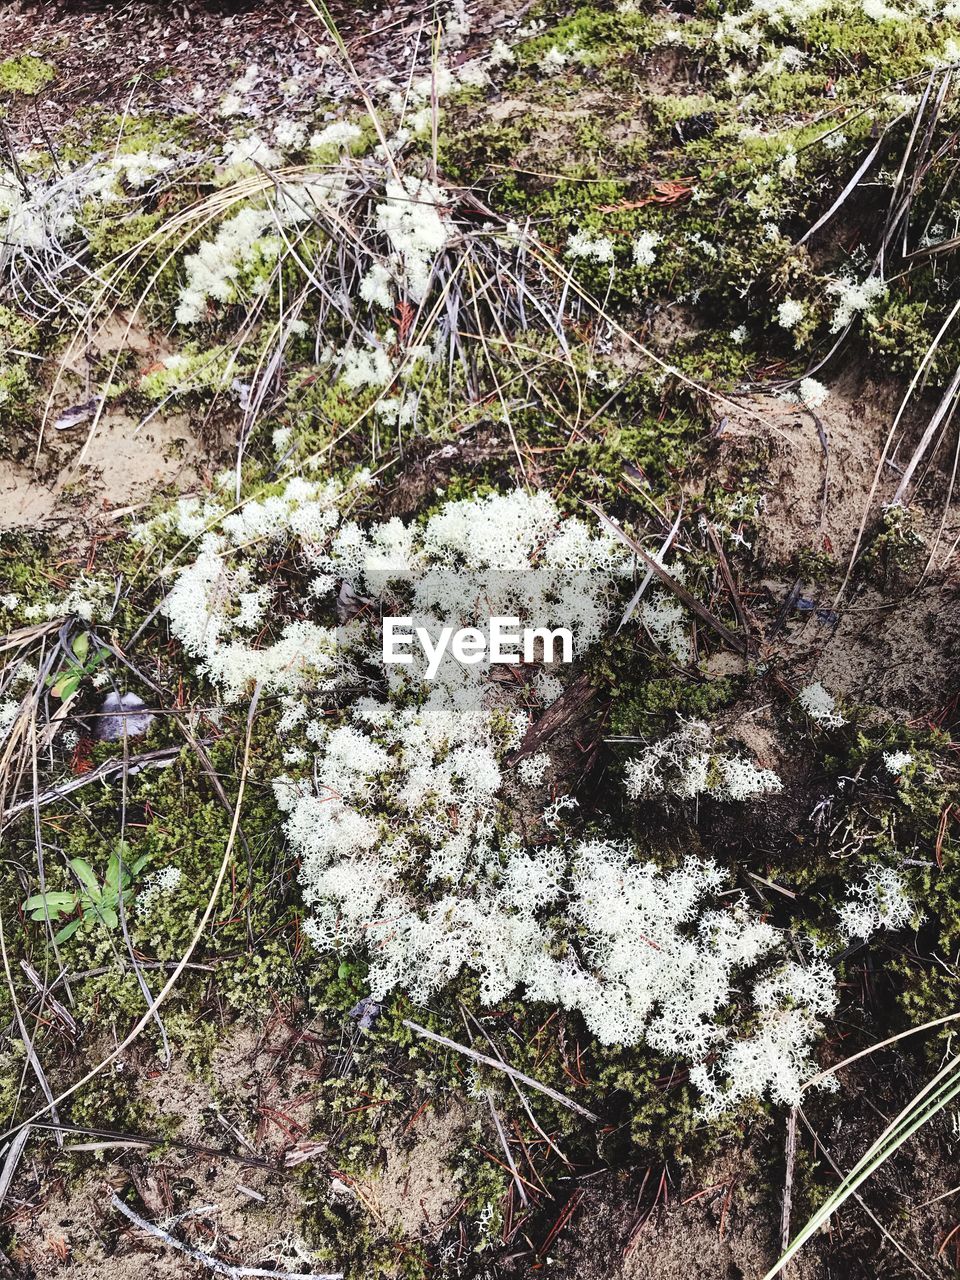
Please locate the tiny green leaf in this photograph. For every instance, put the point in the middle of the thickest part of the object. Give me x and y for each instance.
(84, 873)
(52, 903)
(67, 685)
(68, 930)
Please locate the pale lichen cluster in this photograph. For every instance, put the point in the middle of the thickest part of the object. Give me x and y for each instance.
(401, 795)
(397, 806)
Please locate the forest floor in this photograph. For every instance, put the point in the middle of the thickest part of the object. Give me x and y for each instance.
(289, 296)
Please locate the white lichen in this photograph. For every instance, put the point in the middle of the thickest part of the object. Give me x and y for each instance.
(820, 705)
(878, 902)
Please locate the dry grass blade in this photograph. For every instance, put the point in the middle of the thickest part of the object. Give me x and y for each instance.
(508, 1154)
(933, 250)
(648, 576)
(846, 192)
(923, 161)
(11, 1158)
(898, 209)
(17, 639)
(885, 453)
(113, 1136)
(946, 404)
(881, 1044)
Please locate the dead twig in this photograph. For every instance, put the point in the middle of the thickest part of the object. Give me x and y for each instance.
(207, 1260)
(113, 1137)
(849, 188)
(521, 1189)
(683, 595)
(726, 573)
(648, 577)
(791, 1156)
(500, 1065)
(155, 759)
(516, 1088)
(58, 1009)
(574, 699)
(915, 381)
(825, 446)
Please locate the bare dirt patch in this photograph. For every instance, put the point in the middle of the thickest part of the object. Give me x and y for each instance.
(644, 1230)
(898, 654)
(124, 464)
(24, 501)
(690, 1243)
(92, 461)
(815, 499)
(883, 635)
(417, 1188)
(231, 1208)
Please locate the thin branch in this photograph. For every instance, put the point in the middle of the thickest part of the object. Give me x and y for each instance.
(156, 759)
(504, 1067)
(791, 1156)
(683, 595)
(207, 1260)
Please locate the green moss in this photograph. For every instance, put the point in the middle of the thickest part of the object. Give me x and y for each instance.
(108, 1102)
(26, 74)
(900, 821)
(27, 570)
(758, 171)
(111, 236)
(22, 344)
(644, 704)
(194, 370)
(95, 130)
(896, 548)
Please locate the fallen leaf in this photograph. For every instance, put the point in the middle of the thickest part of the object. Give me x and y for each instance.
(77, 414)
(662, 193)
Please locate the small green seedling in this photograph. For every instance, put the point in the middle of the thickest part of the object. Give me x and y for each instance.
(96, 902)
(66, 683)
